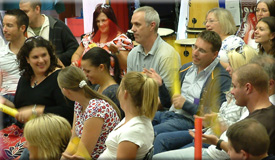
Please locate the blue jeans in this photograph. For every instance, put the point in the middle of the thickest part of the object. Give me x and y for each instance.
(173, 140)
(170, 121)
(182, 154)
(7, 119)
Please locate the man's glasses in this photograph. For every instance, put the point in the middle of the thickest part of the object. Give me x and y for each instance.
(194, 47)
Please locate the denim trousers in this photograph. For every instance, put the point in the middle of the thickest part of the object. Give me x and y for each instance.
(174, 140)
(168, 121)
(7, 120)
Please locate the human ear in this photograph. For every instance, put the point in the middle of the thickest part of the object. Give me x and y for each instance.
(101, 67)
(248, 88)
(22, 28)
(152, 26)
(244, 155)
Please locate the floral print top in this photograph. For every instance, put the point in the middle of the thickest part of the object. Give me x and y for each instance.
(96, 108)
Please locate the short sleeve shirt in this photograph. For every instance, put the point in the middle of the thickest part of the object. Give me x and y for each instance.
(96, 108)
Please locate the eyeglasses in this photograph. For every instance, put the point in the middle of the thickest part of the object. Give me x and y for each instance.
(210, 21)
(32, 38)
(194, 47)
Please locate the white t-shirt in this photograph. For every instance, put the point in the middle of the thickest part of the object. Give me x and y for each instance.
(2, 42)
(9, 71)
(138, 130)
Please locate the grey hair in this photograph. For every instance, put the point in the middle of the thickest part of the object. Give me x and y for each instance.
(267, 62)
(151, 15)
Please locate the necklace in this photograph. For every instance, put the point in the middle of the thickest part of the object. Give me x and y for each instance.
(34, 84)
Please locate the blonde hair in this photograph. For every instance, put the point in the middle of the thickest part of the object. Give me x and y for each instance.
(50, 133)
(225, 19)
(144, 92)
(70, 78)
(241, 56)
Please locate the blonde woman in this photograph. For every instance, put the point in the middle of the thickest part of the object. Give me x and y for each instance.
(95, 115)
(47, 136)
(221, 21)
(133, 137)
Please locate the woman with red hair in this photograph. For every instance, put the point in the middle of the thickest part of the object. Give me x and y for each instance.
(107, 35)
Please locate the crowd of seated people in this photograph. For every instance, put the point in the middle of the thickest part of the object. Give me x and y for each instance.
(107, 99)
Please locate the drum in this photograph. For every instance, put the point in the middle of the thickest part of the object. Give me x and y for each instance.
(184, 47)
(167, 35)
(198, 10)
(193, 33)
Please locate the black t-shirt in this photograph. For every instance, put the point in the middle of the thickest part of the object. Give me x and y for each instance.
(45, 93)
(266, 117)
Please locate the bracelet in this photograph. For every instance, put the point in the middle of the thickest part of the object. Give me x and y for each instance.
(219, 144)
(34, 112)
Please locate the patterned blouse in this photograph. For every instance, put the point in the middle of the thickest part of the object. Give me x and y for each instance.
(124, 43)
(121, 40)
(96, 108)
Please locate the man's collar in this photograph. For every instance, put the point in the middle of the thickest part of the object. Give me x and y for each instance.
(154, 48)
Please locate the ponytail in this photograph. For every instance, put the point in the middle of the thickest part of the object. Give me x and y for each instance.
(74, 79)
(144, 92)
(150, 98)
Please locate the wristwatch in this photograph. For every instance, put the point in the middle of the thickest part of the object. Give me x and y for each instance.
(218, 146)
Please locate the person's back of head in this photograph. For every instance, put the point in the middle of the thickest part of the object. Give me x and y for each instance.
(143, 91)
(226, 20)
(73, 78)
(254, 75)
(50, 134)
(241, 56)
(151, 15)
(267, 62)
(21, 17)
(247, 137)
(33, 3)
(213, 38)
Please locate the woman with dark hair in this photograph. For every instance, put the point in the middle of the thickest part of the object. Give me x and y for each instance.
(265, 35)
(37, 90)
(264, 8)
(107, 35)
(96, 64)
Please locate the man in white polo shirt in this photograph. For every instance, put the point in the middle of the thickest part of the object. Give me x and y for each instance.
(15, 24)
